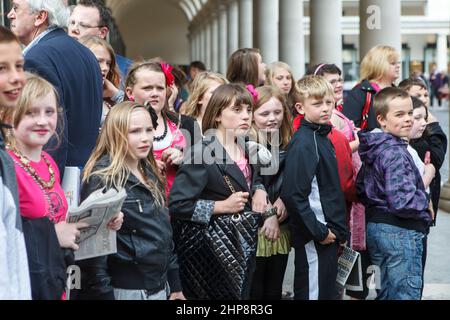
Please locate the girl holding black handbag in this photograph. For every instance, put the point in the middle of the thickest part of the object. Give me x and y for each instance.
(216, 217)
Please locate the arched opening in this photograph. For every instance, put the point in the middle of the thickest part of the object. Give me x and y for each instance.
(151, 28)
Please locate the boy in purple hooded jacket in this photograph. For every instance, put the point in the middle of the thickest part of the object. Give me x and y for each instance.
(392, 190)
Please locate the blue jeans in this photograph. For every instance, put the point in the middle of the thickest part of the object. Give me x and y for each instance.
(398, 254)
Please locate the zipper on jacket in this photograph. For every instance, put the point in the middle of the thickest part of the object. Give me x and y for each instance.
(139, 203)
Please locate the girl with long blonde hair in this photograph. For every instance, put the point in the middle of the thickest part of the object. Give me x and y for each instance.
(145, 266)
(272, 122)
(203, 86)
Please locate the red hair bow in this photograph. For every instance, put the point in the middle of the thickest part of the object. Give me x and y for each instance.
(253, 92)
(167, 69)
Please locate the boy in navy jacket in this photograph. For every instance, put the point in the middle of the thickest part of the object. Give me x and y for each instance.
(312, 194)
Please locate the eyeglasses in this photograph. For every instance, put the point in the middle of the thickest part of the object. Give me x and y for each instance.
(81, 26)
(335, 81)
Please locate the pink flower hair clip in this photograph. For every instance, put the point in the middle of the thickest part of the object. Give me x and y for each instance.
(167, 70)
(253, 92)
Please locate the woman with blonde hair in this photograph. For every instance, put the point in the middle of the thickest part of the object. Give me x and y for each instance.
(379, 69)
(203, 87)
(280, 74)
(106, 58)
(145, 265)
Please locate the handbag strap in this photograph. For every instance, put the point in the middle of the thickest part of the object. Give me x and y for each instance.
(228, 182)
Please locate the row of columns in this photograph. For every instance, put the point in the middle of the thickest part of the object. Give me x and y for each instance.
(276, 28)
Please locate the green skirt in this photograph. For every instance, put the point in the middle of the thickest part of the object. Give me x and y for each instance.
(282, 245)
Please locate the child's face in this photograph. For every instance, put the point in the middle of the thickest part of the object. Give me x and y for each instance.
(12, 76)
(269, 116)
(398, 120)
(317, 110)
(103, 58)
(337, 83)
(261, 69)
(140, 134)
(236, 119)
(38, 123)
(419, 123)
(150, 86)
(282, 79)
(421, 94)
(212, 86)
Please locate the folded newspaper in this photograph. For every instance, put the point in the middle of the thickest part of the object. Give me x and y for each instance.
(349, 270)
(97, 210)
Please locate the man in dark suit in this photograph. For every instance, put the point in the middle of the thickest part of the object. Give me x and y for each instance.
(93, 18)
(70, 67)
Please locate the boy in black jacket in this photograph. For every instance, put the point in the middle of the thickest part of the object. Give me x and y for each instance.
(312, 194)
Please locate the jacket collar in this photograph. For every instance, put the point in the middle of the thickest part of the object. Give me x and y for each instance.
(105, 161)
(322, 129)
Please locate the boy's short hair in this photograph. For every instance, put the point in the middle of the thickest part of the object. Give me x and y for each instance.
(407, 84)
(384, 98)
(313, 87)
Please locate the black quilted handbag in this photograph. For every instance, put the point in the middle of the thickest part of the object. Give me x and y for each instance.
(217, 260)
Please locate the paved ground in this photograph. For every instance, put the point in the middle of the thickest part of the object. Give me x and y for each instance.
(437, 271)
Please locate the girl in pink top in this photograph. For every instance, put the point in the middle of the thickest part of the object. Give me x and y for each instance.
(150, 83)
(41, 197)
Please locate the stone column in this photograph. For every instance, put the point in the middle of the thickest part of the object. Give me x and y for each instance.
(245, 23)
(326, 35)
(232, 26)
(208, 43)
(441, 52)
(203, 33)
(379, 24)
(265, 24)
(292, 37)
(223, 54)
(215, 42)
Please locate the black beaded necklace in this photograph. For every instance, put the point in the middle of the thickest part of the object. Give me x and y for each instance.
(161, 137)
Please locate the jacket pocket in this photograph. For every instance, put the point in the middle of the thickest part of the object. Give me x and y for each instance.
(136, 205)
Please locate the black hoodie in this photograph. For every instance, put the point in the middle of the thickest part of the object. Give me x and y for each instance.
(311, 190)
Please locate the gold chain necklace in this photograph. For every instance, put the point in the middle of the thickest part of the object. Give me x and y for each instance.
(31, 171)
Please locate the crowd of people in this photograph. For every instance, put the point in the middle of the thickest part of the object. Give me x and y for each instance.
(224, 174)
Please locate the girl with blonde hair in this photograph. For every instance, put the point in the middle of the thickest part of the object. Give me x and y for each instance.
(380, 68)
(203, 87)
(272, 119)
(280, 74)
(43, 205)
(106, 58)
(145, 266)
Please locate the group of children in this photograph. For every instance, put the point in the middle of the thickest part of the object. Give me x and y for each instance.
(158, 156)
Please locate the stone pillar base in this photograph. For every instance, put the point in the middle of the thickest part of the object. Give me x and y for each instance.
(444, 200)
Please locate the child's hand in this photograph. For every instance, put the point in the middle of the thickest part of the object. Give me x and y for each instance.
(116, 223)
(259, 201)
(281, 210)
(69, 233)
(271, 228)
(331, 238)
(172, 156)
(109, 90)
(234, 204)
(427, 158)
